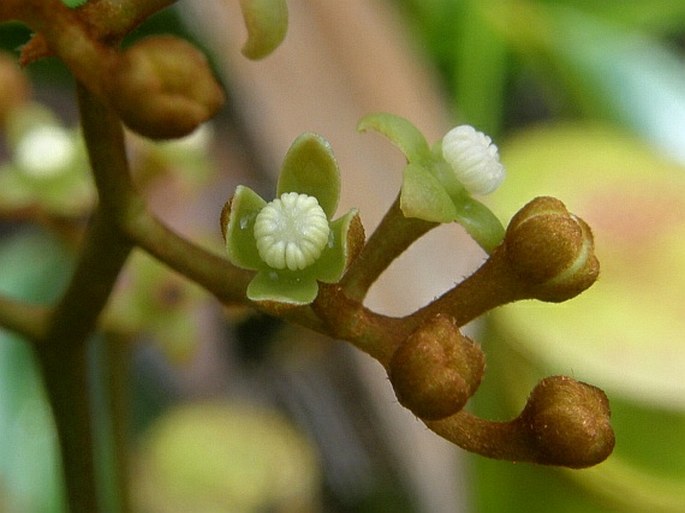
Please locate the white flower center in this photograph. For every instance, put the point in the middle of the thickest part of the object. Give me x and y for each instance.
(45, 151)
(474, 159)
(291, 231)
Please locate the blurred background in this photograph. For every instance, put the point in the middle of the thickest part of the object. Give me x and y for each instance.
(231, 411)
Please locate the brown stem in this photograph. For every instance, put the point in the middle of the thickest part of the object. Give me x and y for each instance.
(391, 238)
(375, 334)
(492, 285)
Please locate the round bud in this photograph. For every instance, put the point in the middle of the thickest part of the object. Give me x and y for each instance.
(551, 249)
(436, 370)
(570, 422)
(162, 87)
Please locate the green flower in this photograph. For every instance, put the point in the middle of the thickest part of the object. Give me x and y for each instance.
(438, 183)
(291, 241)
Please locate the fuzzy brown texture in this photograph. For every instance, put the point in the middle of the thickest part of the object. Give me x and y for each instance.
(163, 88)
(570, 422)
(551, 250)
(436, 370)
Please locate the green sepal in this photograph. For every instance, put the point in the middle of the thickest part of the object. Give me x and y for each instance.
(310, 168)
(291, 287)
(240, 242)
(333, 261)
(401, 133)
(267, 24)
(423, 196)
(479, 222)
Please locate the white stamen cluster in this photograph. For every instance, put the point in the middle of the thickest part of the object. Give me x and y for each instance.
(45, 151)
(291, 231)
(474, 159)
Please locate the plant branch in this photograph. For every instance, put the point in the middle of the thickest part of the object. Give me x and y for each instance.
(391, 238)
(62, 354)
(26, 319)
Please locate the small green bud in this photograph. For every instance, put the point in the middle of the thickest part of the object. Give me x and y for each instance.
(267, 24)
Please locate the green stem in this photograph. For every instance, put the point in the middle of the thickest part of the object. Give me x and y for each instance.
(117, 366)
(212, 272)
(64, 362)
(63, 353)
(391, 238)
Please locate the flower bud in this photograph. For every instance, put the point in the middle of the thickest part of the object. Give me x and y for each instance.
(551, 250)
(436, 370)
(474, 159)
(162, 87)
(570, 422)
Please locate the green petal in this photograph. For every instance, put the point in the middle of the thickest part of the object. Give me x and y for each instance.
(295, 288)
(267, 23)
(424, 197)
(330, 267)
(480, 223)
(310, 168)
(400, 132)
(240, 241)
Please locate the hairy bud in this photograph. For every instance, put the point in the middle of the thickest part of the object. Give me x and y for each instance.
(436, 370)
(551, 249)
(162, 87)
(570, 422)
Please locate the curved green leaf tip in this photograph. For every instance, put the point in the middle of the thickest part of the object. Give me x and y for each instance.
(267, 24)
(400, 132)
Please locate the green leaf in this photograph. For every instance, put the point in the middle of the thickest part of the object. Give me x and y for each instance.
(295, 288)
(401, 133)
(240, 241)
(267, 24)
(424, 196)
(333, 261)
(310, 168)
(480, 223)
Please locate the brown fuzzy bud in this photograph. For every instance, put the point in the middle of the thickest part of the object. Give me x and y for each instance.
(436, 370)
(570, 422)
(551, 250)
(162, 87)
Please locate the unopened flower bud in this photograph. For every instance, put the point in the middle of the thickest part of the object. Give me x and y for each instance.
(162, 87)
(473, 158)
(570, 422)
(551, 249)
(436, 370)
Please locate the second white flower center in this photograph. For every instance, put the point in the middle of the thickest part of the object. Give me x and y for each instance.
(291, 232)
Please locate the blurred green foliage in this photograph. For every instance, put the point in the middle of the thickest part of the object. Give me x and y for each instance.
(507, 62)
